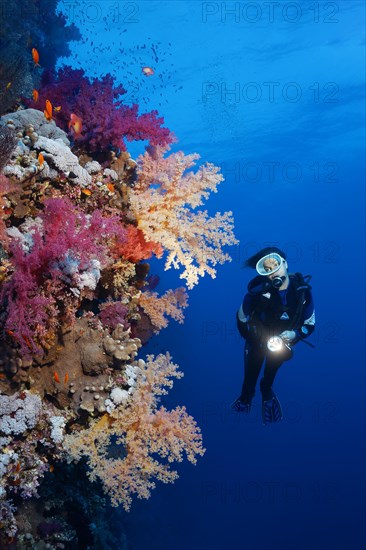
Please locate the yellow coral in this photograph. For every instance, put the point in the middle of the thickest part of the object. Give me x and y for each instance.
(157, 307)
(139, 430)
(163, 200)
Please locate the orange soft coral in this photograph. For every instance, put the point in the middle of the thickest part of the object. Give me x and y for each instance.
(143, 432)
(136, 248)
(163, 201)
(158, 307)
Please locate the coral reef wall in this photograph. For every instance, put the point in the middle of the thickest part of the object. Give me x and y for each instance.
(79, 221)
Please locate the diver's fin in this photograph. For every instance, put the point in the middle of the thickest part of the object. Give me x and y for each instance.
(240, 406)
(271, 410)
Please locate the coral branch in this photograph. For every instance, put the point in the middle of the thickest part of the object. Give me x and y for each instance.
(157, 308)
(142, 432)
(163, 201)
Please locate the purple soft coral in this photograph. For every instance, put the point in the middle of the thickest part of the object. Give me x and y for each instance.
(106, 122)
(113, 314)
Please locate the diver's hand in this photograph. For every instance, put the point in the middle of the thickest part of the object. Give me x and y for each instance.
(288, 335)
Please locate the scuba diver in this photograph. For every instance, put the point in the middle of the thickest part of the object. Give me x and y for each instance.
(276, 313)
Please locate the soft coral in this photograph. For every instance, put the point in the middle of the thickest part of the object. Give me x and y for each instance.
(33, 295)
(136, 248)
(107, 122)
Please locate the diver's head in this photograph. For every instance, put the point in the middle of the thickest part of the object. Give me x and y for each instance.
(271, 262)
(274, 267)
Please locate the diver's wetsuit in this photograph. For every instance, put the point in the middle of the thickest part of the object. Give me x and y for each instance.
(266, 313)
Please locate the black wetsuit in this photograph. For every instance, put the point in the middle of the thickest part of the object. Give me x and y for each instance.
(267, 312)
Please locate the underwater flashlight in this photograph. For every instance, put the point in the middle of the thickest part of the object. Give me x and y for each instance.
(275, 344)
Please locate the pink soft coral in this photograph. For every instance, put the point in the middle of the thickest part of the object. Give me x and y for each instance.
(106, 122)
(34, 294)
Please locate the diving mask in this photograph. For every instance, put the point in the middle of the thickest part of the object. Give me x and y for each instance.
(269, 264)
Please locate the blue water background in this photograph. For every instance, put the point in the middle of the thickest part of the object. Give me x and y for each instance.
(276, 98)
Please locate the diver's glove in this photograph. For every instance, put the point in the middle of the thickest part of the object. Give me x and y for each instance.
(288, 335)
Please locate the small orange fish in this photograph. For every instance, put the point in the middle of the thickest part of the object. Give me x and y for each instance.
(75, 124)
(56, 377)
(40, 159)
(86, 192)
(2, 376)
(48, 110)
(35, 95)
(35, 56)
(10, 332)
(110, 187)
(17, 467)
(57, 109)
(52, 468)
(27, 341)
(148, 71)
(66, 379)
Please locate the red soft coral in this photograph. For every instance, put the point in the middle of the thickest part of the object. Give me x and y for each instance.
(136, 248)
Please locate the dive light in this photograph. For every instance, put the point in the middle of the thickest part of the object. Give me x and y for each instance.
(276, 344)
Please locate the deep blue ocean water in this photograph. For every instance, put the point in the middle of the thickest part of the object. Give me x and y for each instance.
(273, 92)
